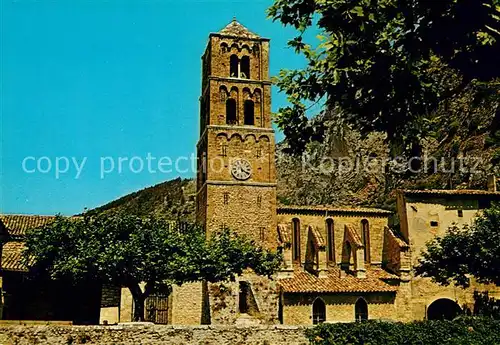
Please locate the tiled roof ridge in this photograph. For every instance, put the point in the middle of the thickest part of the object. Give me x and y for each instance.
(394, 235)
(317, 237)
(450, 191)
(235, 28)
(27, 215)
(304, 282)
(353, 234)
(17, 225)
(334, 208)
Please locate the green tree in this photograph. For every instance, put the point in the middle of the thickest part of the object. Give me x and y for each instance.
(381, 64)
(128, 250)
(463, 252)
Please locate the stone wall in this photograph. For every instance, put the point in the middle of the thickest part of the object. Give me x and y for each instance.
(151, 334)
(339, 308)
(224, 301)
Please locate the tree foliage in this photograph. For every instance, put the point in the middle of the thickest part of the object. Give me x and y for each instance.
(465, 251)
(381, 64)
(128, 250)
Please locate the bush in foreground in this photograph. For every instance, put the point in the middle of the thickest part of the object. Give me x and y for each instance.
(461, 331)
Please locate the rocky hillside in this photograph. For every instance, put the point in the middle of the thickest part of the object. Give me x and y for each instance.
(172, 199)
(347, 169)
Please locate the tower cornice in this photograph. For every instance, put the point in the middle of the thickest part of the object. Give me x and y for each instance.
(234, 80)
(248, 129)
(215, 34)
(240, 80)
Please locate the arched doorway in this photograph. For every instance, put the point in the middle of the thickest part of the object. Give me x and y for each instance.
(319, 311)
(361, 310)
(443, 309)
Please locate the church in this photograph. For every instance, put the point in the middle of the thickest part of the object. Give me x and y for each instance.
(340, 264)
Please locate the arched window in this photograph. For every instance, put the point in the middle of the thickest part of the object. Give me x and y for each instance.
(443, 309)
(296, 239)
(331, 240)
(365, 233)
(231, 111)
(234, 63)
(361, 310)
(319, 311)
(245, 67)
(249, 112)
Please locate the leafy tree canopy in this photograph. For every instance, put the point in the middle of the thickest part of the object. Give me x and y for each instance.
(381, 64)
(464, 252)
(128, 250)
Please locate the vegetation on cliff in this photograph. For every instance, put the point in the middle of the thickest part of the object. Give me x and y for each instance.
(173, 199)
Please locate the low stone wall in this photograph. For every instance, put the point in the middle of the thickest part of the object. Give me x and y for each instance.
(151, 334)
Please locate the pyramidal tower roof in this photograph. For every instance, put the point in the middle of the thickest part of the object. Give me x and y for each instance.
(235, 28)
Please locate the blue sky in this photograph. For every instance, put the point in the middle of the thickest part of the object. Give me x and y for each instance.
(96, 79)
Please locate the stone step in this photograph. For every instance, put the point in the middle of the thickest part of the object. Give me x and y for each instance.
(247, 320)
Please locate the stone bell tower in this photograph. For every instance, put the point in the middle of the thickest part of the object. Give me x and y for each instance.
(236, 179)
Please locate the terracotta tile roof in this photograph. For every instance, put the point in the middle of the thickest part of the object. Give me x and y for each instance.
(399, 241)
(284, 234)
(303, 282)
(12, 257)
(380, 273)
(317, 237)
(17, 224)
(443, 192)
(236, 29)
(332, 209)
(353, 235)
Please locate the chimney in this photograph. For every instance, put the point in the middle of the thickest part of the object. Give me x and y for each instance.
(492, 183)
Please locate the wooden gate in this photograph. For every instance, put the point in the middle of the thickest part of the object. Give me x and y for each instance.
(157, 308)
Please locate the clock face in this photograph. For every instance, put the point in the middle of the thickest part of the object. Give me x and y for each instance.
(241, 169)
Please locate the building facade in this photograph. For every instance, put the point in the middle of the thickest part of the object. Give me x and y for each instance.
(340, 264)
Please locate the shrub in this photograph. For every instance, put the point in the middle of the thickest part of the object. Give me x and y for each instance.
(461, 331)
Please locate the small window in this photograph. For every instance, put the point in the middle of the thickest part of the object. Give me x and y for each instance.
(460, 213)
(361, 310)
(434, 223)
(258, 152)
(262, 233)
(223, 150)
(296, 239)
(365, 233)
(245, 67)
(331, 240)
(319, 311)
(259, 200)
(226, 198)
(231, 111)
(249, 112)
(234, 66)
